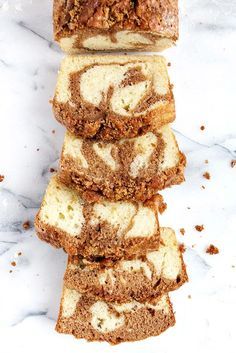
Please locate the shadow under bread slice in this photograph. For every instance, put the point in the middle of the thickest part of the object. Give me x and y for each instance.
(115, 25)
(128, 169)
(96, 320)
(155, 273)
(113, 97)
(97, 229)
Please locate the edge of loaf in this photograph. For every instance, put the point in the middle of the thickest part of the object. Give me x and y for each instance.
(115, 25)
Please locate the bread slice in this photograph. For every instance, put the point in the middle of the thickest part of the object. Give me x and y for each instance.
(113, 97)
(115, 25)
(96, 320)
(96, 229)
(128, 169)
(155, 273)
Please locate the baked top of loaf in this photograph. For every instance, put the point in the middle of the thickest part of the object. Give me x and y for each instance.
(155, 16)
(96, 320)
(125, 169)
(155, 273)
(111, 229)
(111, 97)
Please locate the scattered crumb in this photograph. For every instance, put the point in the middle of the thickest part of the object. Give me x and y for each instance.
(203, 187)
(182, 231)
(37, 149)
(13, 263)
(206, 161)
(212, 250)
(207, 176)
(199, 228)
(26, 225)
(169, 64)
(193, 246)
(19, 253)
(52, 170)
(10, 271)
(202, 127)
(233, 163)
(189, 208)
(189, 296)
(233, 266)
(1, 178)
(53, 131)
(182, 248)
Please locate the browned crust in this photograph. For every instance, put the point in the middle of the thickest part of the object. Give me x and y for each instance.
(111, 126)
(137, 286)
(139, 324)
(156, 17)
(122, 187)
(101, 240)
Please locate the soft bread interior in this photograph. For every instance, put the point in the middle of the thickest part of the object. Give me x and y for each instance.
(103, 72)
(63, 208)
(125, 40)
(144, 147)
(166, 263)
(109, 317)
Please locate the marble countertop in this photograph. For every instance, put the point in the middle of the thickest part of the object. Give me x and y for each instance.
(203, 71)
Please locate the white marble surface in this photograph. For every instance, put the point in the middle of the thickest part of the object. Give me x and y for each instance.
(204, 73)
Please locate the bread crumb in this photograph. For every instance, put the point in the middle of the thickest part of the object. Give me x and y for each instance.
(52, 170)
(182, 231)
(189, 208)
(1, 178)
(182, 248)
(206, 161)
(212, 250)
(26, 225)
(199, 228)
(13, 263)
(19, 253)
(233, 266)
(203, 187)
(202, 127)
(233, 163)
(37, 149)
(207, 175)
(193, 246)
(189, 296)
(53, 131)
(10, 271)
(169, 64)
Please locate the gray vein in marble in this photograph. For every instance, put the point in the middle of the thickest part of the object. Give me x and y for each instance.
(231, 152)
(32, 314)
(4, 63)
(51, 44)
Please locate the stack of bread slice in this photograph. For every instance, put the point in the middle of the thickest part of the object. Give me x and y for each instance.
(102, 206)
